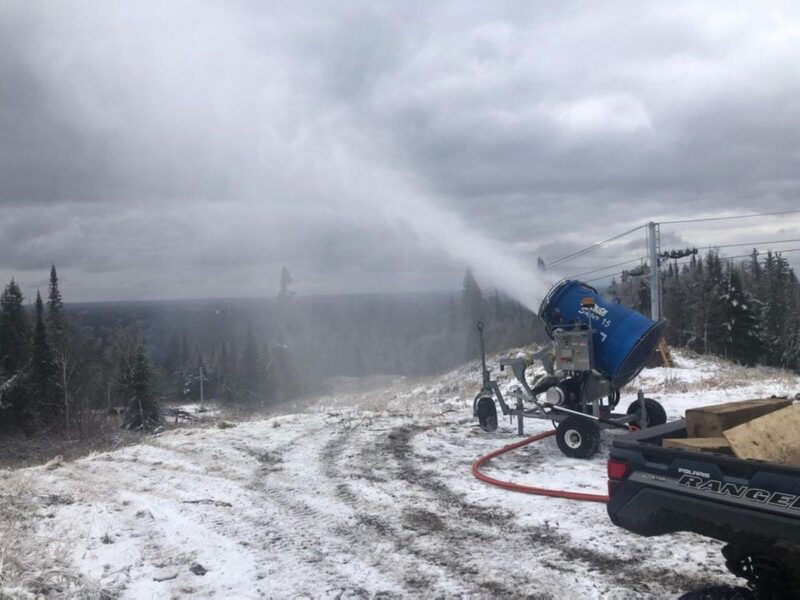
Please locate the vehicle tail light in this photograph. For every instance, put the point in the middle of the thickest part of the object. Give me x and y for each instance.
(618, 469)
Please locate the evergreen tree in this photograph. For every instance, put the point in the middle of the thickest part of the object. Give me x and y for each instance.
(755, 270)
(711, 313)
(43, 372)
(56, 319)
(740, 339)
(498, 306)
(540, 265)
(285, 294)
(14, 331)
(144, 411)
(748, 311)
(777, 309)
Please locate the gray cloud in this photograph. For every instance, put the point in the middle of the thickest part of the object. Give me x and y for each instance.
(192, 148)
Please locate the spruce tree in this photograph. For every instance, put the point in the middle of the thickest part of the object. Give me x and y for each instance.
(285, 294)
(740, 338)
(14, 331)
(56, 319)
(777, 276)
(540, 264)
(144, 411)
(43, 373)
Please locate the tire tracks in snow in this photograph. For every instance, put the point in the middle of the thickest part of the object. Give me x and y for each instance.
(322, 506)
(437, 526)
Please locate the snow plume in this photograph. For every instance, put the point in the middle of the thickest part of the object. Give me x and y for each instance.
(388, 196)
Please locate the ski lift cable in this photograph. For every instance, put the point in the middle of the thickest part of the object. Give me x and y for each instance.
(597, 245)
(749, 255)
(603, 277)
(597, 270)
(748, 244)
(588, 249)
(703, 219)
(682, 262)
(606, 276)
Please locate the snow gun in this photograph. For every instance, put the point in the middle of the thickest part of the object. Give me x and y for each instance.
(598, 347)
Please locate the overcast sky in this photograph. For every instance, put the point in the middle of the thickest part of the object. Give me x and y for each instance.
(189, 149)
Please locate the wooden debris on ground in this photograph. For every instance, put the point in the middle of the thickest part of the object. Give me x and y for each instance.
(712, 421)
(666, 355)
(179, 413)
(774, 437)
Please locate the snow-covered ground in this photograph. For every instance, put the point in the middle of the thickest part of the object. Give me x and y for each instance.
(369, 493)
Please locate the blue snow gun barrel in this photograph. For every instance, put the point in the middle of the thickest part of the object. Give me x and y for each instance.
(622, 338)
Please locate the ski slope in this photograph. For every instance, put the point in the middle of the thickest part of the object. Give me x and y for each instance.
(368, 493)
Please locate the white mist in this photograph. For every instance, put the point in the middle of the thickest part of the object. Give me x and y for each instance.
(386, 195)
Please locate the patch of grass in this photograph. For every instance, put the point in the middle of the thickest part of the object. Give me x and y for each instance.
(31, 566)
(18, 451)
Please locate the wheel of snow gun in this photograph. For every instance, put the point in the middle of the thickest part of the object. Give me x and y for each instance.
(577, 437)
(487, 414)
(656, 415)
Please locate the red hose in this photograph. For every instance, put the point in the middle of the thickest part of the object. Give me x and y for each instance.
(529, 489)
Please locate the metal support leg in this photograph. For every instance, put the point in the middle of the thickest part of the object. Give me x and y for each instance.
(643, 420)
(520, 409)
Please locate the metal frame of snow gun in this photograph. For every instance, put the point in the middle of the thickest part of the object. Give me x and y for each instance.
(578, 402)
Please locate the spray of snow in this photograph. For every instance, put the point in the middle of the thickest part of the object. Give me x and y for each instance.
(491, 262)
(388, 196)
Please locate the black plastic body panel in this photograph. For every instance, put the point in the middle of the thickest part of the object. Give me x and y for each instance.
(736, 501)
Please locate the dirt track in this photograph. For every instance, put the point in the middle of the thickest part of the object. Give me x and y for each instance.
(353, 503)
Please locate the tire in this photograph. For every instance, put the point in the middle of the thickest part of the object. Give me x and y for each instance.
(487, 414)
(656, 415)
(720, 592)
(577, 437)
(769, 576)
